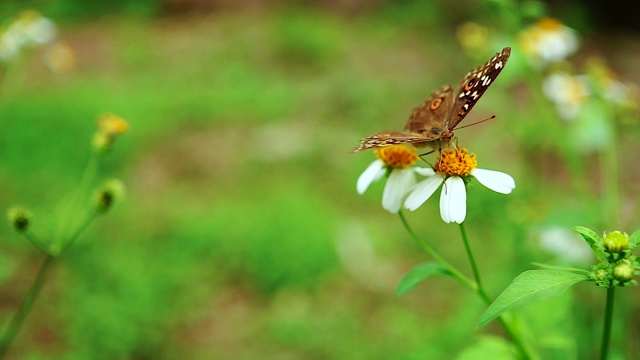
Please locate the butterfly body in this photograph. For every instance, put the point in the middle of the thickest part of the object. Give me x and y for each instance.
(432, 123)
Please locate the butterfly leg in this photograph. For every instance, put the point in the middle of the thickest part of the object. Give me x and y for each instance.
(455, 140)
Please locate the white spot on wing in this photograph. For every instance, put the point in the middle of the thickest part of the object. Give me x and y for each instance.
(499, 65)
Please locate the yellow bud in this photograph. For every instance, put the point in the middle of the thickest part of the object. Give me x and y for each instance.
(616, 242)
(623, 272)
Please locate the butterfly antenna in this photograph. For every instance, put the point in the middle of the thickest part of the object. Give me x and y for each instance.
(479, 122)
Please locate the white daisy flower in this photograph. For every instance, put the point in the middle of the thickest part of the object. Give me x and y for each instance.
(549, 41)
(28, 29)
(396, 161)
(569, 93)
(32, 29)
(453, 169)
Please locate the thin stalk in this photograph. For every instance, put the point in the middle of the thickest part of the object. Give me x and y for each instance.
(472, 261)
(508, 327)
(25, 306)
(610, 177)
(608, 320)
(92, 215)
(36, 242)
(437, 257)
(80, 194)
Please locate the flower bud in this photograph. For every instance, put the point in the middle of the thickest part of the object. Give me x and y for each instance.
(623, 272)
(616, 242)
(111, 192)
(109, 127)
(19, 218)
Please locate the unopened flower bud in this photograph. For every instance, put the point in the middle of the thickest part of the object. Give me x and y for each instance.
(111, 192)
(623, 272)
(600, 274)
(19, 218)
(616, 242)
(109, 127)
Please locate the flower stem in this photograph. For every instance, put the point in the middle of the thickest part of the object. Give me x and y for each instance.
(437, 257)
(508, 327)
(25, 306)
(608, 319)
(82, 191)
(472, 261)
(610, 176)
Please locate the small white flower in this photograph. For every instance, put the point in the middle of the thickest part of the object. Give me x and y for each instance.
(398, 161)
(29, 29)
(569, 93)
(549, 41)
(32, 29)
(455, 166)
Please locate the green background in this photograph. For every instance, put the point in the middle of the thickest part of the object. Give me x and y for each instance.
(242, 235)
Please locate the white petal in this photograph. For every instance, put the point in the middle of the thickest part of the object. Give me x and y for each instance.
(424, 171)
(374, 172)
(453, 200)
(398, 184)
(422, 192)
(495, 180)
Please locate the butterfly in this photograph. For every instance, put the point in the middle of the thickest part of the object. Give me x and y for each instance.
(432, 123)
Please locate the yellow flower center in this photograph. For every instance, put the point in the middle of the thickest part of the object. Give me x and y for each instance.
(456, 162)
(112, 125)
(549, 24)
(397, 156)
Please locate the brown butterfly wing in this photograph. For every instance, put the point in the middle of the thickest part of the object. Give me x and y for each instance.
(474, 85)
(431, 123)
(429, 118)
(386, 138)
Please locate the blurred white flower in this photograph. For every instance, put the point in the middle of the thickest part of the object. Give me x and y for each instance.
(548, 40)
(396, 161)
(565, 244)
(28, 29)
(567, 92)
(605, 82)
(455, 166)
(9, 46)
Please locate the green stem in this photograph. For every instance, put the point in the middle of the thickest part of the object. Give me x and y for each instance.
(610, 177)
(80, 194)
(608, 319)
(36, 242)
(92, 215)
(475, 287)
(472, 261)
(508, 327)
(25, 306)
(434, 254)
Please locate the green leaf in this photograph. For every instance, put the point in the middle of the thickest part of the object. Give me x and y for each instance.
(634, 239)
(561, 268)
(488, 347)
(419, 273)
(531, 286)
(588, 235)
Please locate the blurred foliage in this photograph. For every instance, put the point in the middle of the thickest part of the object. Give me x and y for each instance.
(79, 9)
(241, 189)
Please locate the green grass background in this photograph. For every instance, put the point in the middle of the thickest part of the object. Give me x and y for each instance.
(242, 236)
